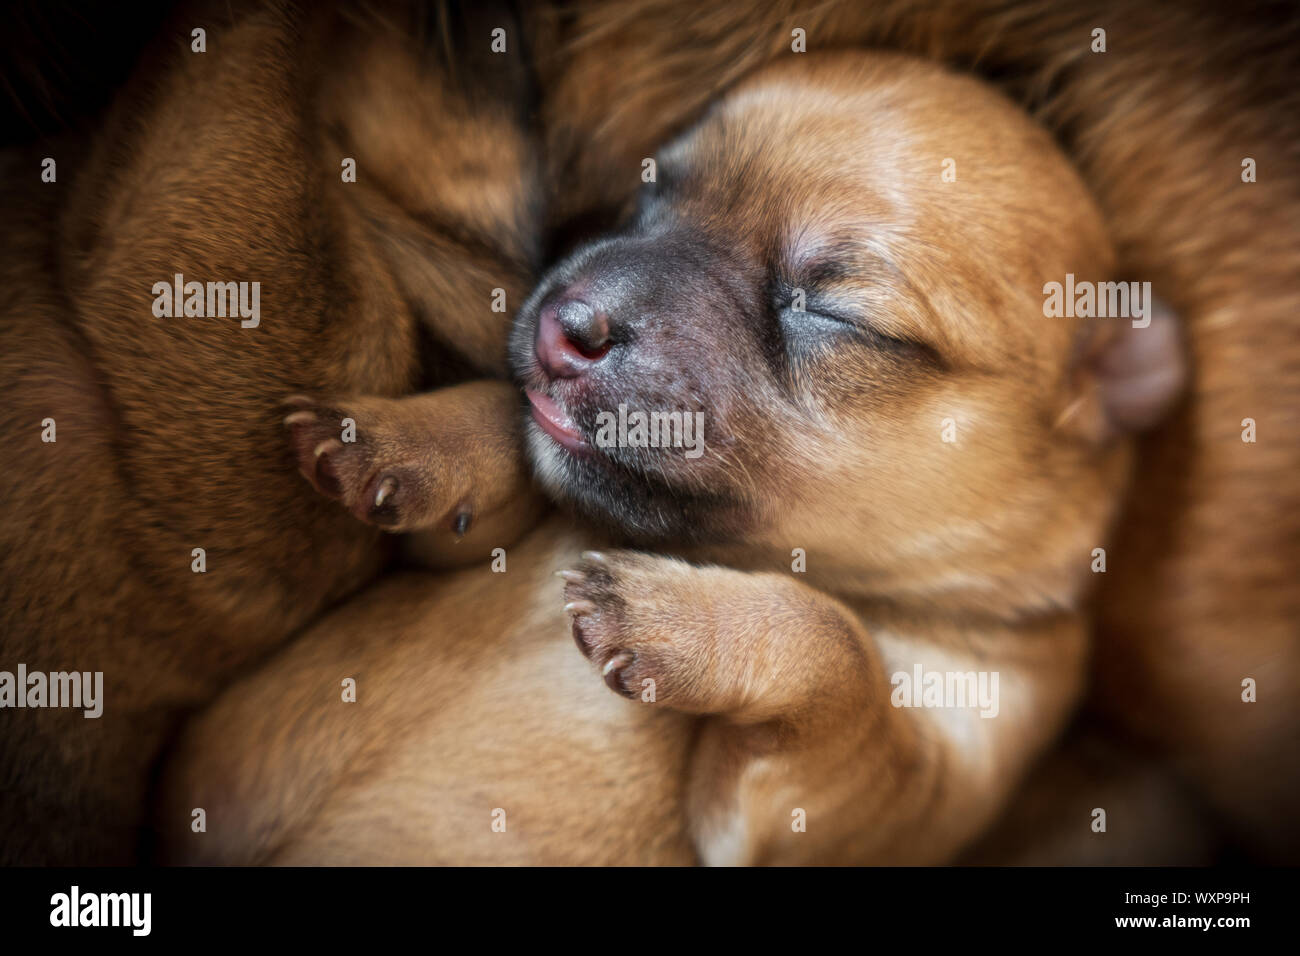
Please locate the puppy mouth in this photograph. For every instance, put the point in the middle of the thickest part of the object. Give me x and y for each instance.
(643, 494)
(556, 422)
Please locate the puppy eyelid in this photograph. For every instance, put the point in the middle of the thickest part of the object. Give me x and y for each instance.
(804, 319)
(840, 320)
(871, 334)
(847, 290)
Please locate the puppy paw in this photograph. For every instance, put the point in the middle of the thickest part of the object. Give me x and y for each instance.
(633, 617)
(381, 475)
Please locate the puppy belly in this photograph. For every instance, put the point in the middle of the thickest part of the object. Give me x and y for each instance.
(479, 735)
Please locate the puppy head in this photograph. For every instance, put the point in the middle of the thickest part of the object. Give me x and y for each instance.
(860, 337)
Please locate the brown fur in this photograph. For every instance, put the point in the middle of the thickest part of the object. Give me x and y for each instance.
(222, 166)
(790, 674)
(444, 461)
(1151, 817)
(1200, 591)
(1158, 127)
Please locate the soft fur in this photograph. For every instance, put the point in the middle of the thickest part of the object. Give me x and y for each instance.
(229, 161)
(825, 438)
(225, 166)
(1199, 592)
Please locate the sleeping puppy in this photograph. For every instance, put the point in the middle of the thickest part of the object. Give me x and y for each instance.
(188, 551)
(870, 622)
(1199, 592)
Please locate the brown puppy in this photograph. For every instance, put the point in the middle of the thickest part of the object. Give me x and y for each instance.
(1173, 111)
(883, 397)
(139, 438)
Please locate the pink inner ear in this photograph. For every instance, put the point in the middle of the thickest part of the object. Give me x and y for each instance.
(1142, 371)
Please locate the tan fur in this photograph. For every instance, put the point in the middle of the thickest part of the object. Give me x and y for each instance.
(1158, 127)
(446, 460)
(466, 682)
(1200, 588)
(221, 166)
(790, 675)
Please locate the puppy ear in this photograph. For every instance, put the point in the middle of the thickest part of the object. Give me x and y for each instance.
(1124, 378)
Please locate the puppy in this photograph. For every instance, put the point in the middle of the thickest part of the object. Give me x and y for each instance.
(150, 532)
(906, 467)
(1171, 111)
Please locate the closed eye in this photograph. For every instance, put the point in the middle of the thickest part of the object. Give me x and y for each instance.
(820, 320)
(850, 285)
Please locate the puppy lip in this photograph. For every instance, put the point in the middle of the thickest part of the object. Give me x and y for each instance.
(555, 421)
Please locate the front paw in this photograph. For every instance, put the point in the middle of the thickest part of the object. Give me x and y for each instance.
(635, 619)
(353, 456)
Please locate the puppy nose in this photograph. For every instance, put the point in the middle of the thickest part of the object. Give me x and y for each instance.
(571, 336)
(585, 327)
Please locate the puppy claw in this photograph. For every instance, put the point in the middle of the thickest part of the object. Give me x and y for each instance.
(622, 628)
(613, 670)
(579, 608)
(324, 475)
(461, 523)
(325, 446)
(386, 487)
(299, 418)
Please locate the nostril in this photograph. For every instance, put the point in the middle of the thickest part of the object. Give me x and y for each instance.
(586, 328)
(590, 353)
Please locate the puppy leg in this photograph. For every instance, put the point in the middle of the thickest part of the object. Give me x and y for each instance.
(446, 460)
(802, 756)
